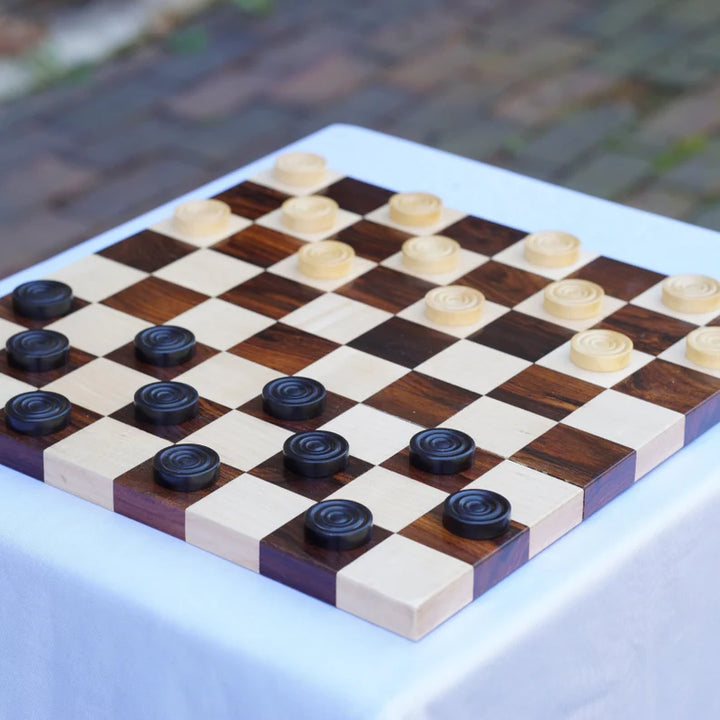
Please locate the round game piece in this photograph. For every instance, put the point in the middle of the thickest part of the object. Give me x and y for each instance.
(702, 347)
(38, 350)
(164, 345)
(442, 451)
(309, 214)
(338, 524)
(326, 260)
(552, 248)
(42, 299)
(294, 398)
(202, 217)
(415, 209)
(601, 350)
(476, 514)
(573, 299)
(316, 453)
(186, 467)
(454, 305)
(38, 412)
(300, 168)
(431, 254)
(691, 293)
(166, 402)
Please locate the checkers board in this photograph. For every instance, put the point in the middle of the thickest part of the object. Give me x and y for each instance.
(558, 441)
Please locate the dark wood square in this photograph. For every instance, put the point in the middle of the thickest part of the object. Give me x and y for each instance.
(7, 313)
(715, 322)
(545, 392)
(601, 467)
(334, 405)
(250, 200)
(155, 300)
(77, 358)
(373, 241)
(287, 557)
(492, 559)
(148, 251)
(421, 399)
(386, 289)
(403, 342)
(522, 336)
(126, 356)
(284, 348)
(678, 388)
(271, 295)
(259, 245)
(357, 196)
(619, 279)
(136, 495)
(504, 284)
(483, 236)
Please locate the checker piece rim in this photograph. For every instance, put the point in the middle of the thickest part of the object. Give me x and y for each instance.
(476, 514)
(338, 524)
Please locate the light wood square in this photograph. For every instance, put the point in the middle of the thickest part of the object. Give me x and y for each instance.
(373, 435)
(515, 256)
(221, 324)
(353, 373)
(289, 268)
(267, 178)
(95, 278)
(498, 427)
(676, 354)
(448, 217)
(467, 262)
(534, 307)
(228, 379)
(98, 329)
(405, 586)
(473, 366)
(416, 313)
(651, 299)
(231, 521)
(548, 506)
(273, 220)
(101, 385)
(8, 329)
(241, 440)
(208, 272)
(235, 225)
(394, 500)
(86, 463)
(654, 432)
(336, 318)
(10, 387)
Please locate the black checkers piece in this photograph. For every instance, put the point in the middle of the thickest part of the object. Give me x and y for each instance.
(316, 453)
(164, 345)
(38, 350)
(37, 413)
(338, 524)
(294, 398)
(166, 403)
(442, 451)
(186, 467)
(476, 514)
(42, 299)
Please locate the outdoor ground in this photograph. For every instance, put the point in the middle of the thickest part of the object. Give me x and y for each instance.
(617, 98)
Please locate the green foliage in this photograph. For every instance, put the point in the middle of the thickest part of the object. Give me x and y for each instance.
(256, 7)
(190, 40)
(682, 150)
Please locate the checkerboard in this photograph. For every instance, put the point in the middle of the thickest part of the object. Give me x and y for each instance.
(558, 441)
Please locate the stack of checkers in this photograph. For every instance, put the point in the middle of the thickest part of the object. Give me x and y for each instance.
(380, 401)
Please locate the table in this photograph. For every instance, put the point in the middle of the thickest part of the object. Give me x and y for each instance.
(103, 617)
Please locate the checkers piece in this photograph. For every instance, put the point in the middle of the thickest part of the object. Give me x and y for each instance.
(476, 514)
(38, 412)
(702, 347)
(164, 345)
(294, 398)
(200, 218)
(38, 350)
(415, 209)
(166, 403)
(454, 305)
(300, 168)
(601, 350)
(338, 524)
(326, 260)
(186, 467)
(431, 254)
(316, 453)
(691, 293)
(309, 214)
(552, 248)
(442, 451)
(573, 299)
(42, 299)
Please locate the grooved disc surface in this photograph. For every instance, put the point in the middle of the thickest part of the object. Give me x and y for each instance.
(164, 345)
(338, 524)
(294, 398)
(186, 467)
(166, 403)
(476, 514)
(38, 413)
(42, 299)
(442, 451)
(316, 453)
(38, 350)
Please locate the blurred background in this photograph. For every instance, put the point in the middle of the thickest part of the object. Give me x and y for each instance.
(110, 107)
